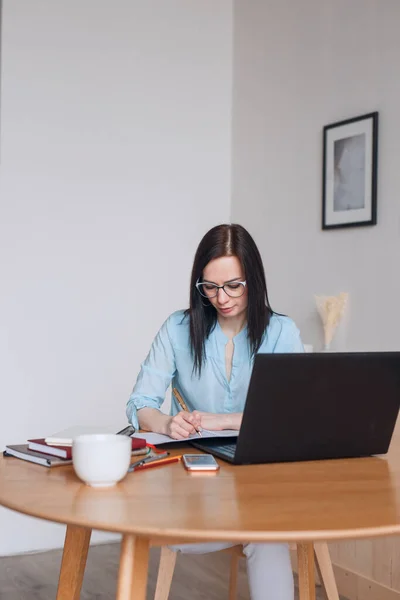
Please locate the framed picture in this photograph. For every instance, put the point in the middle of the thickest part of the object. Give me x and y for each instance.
(350, 160)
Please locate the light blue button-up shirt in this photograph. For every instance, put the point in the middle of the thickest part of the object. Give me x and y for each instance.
(170, 361)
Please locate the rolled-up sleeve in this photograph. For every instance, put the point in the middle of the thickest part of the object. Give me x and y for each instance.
(155, 375)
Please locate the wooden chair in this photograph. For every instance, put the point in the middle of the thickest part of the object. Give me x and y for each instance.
(168, 560)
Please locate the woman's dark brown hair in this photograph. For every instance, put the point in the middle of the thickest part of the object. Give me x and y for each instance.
(228, 240)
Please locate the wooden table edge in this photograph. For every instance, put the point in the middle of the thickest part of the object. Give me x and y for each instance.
(199, 535)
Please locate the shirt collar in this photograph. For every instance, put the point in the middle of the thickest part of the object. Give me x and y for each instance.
(241, 336)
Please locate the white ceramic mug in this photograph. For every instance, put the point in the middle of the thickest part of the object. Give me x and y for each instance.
(101, 460)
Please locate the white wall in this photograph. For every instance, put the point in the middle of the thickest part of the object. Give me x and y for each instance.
(115, 160)
(297, 67)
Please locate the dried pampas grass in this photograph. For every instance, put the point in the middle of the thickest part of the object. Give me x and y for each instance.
(331, 310)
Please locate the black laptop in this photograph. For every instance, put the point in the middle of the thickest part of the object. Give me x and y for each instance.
(315, 406)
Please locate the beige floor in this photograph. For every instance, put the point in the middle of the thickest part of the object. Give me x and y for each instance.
(34, 576)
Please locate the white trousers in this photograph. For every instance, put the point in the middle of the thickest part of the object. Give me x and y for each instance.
(268, 566)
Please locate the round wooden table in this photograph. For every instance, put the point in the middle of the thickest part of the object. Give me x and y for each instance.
(293, 502)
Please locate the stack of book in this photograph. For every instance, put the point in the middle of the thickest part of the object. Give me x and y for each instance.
(56, 450)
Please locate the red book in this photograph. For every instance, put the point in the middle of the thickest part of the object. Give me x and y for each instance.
(138, 443)
(40, 445)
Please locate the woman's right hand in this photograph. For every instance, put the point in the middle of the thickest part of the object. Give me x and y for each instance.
(180, 426)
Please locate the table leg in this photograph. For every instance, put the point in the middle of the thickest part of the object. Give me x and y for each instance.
(305, 566)
(76, 546)
(325, 570)
(133, 568)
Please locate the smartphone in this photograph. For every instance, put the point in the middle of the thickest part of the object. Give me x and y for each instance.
(200, 462)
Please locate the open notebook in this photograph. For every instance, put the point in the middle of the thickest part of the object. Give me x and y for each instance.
(159, 438)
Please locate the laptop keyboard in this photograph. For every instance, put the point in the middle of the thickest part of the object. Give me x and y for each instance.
(227, 449)
(223, 449)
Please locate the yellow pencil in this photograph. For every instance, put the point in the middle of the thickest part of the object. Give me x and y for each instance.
(182, 404)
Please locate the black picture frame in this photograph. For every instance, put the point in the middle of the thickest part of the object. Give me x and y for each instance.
(350, 172)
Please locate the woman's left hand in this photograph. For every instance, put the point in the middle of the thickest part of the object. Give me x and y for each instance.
(218, 421)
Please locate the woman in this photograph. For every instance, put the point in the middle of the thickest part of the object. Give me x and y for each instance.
(207, 352)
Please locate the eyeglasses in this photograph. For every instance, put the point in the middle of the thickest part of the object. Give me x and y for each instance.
(235, 289)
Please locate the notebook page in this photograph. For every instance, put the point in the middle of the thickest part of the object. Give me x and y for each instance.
(159, 438)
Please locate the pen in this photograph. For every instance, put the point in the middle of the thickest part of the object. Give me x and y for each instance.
(158, 463)
(133, 466)
(182, 404)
